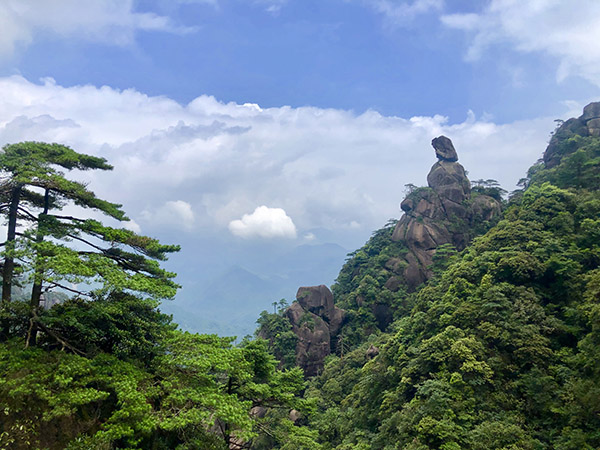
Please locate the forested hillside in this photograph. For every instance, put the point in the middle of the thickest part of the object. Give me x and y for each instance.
(500, 349)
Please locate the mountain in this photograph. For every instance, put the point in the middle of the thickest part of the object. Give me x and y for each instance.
(229, 303)
(497, 349)
(438, 220)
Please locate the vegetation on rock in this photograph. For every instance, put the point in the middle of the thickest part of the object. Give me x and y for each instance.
(500, 349)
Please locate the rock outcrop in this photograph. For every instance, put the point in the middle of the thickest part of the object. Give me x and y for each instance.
(588, 124)
(442, 213)
(316, 321)
(437, 215)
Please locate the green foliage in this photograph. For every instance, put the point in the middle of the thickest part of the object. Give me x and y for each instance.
(277, 329)
(189, 390)
(115, 259)
(491, 188)
(359, 288)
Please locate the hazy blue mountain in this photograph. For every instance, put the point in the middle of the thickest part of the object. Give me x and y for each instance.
(229, 302)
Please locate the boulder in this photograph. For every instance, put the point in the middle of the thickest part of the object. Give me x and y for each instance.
(485, 208)
(316, 299)
(445, 175)
(393, 283)
(372, 351)
(313, 343)
(593, 127)
(315, 321)
(295, 415)
(444, 149)
(591, 111)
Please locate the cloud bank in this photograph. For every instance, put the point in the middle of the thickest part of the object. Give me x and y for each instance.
(327, 168)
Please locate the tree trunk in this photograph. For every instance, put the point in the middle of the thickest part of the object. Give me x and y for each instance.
(36, 291)
(9, 262)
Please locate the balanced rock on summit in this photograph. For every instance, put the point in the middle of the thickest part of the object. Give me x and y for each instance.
(439, 214)
(444, 149)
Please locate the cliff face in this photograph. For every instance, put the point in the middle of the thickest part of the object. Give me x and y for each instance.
(440, 214)
(315, 321)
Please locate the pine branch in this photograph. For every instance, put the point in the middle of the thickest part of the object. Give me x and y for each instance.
(75, 291)
(74, 219)
(27, 213)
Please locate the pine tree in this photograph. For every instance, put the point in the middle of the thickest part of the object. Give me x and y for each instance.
(58, 251)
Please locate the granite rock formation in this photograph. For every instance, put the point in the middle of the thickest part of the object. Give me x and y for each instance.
(316, 321)
(442, 213)
(437, 215)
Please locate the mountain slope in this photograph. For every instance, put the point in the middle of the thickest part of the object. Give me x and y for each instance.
(501, 350)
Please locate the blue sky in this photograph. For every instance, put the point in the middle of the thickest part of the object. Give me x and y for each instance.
(244, 129)
(348, 54)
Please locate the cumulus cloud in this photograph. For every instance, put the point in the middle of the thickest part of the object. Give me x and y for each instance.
(327, 168)
(264, 222)
(110, 21)
(568, 31)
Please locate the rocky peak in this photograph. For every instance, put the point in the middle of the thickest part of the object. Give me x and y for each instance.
(439, 214)
(591, 111)
(444, 149)
(434, 215)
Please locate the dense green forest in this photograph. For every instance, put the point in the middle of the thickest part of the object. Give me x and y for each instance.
(499, 349)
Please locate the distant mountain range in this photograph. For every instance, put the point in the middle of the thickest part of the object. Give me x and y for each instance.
(229, 303)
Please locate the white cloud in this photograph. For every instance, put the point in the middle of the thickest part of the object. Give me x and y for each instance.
(403, 12)
(568, 31)
(110, 21)
(264, 222)
(272, 6)
(174, 214)
(309, 237)
(327, 168)
(132, 225)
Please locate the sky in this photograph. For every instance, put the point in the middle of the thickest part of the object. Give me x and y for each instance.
(245, 129)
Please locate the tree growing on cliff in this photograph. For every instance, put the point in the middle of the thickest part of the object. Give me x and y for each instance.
(59, 251)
